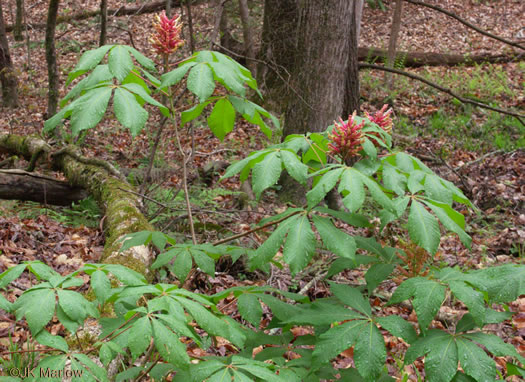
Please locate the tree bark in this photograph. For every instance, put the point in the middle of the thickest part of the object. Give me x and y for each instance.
(103, 22)
(114, 196)
(321, 65)
(17, 32)
(7, 76)
(51, 58)
(23, 185)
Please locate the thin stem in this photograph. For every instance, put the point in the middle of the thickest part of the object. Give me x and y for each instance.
(239, 235)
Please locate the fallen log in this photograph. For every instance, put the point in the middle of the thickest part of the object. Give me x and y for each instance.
(115, 196)
(417, 59)
(150, 7)
(28, 186)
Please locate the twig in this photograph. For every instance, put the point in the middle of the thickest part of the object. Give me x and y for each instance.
(445, 90)
(466, 23)
(239, 235)
(479, 159)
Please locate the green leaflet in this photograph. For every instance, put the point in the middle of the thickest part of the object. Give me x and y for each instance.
(139, 336)
(90, 109)
(88, 61)
(334, 239)
(451, 220)
(337, 339)
(370, 352)
(325, 184)
(120, 62)
(267, 172)
(174, 77)
(250, 308)
(222, 118)
(423, 227)
(294, 166)
(300, 244)
(129, 112)
(351, 182)
(200, 81)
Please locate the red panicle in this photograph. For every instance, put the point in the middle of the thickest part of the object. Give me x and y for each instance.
(166, 39)
(347, 138)
(382, 118)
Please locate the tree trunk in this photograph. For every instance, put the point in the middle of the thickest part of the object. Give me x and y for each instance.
(392, 43)
(249, 44)
(358, 17)
(321, 65)
(17, 32)
(103, 22)
(114, 196)
(51, 58)
(7, 76)
(278, 48)
(23, 185)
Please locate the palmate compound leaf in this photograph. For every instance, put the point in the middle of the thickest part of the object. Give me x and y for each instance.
(129, 112)
(423, 227)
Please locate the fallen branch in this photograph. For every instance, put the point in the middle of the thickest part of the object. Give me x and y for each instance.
(466, 23)
(445, 90)
(121, 209)
(417, 59)
(28, 186)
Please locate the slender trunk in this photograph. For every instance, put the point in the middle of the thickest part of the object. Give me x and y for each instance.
(394, 33)
(168, 8)
(358, 17)
(7, 76)
(17, 32)
(190, 26)
(249, 47)
(103, 22)
(51, 58)
(351, 95)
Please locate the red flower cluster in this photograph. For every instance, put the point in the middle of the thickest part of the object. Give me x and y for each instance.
(347, 138)
(382, 119)
(167, 39)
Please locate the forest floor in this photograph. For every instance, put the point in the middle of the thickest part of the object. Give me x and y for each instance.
(481, 152)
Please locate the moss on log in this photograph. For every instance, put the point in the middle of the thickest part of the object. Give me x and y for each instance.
(121, 208)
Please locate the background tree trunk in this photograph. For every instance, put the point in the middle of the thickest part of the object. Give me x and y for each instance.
(7, 77)
(249, 44)
(17, 32)
(103, 22)
(392, 43)
(321, 65)
(51, 58)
